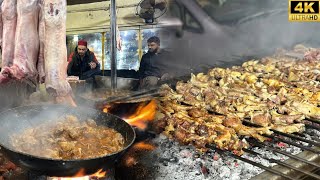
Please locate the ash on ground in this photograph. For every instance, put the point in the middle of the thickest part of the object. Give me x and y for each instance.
(183, 162)
(171, 160)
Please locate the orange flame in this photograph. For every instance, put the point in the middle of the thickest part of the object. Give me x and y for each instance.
(106, 108)
(144, 146)
(81, 175)
(143, 115)
(99, 174)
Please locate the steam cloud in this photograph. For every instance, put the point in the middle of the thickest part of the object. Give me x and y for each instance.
(238, 30)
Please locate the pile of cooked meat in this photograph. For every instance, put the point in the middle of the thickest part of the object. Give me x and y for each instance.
(69, 139)
(276, 93)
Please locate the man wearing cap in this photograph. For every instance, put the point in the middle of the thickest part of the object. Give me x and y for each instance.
(83, 62)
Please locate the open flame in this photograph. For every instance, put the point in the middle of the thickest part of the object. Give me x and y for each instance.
(106, 108)
(143, 113)
(81, 175)
(144, 146)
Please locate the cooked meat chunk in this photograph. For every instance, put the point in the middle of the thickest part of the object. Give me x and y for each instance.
(68, 139)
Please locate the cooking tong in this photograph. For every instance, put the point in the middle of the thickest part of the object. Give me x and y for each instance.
(148, 93)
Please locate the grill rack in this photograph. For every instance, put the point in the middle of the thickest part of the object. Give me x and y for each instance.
(312, 149)
(277, 136)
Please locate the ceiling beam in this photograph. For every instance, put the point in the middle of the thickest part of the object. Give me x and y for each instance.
(74, 2)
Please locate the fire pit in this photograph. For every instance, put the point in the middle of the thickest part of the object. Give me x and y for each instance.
(162, 158)
(183, 162)
(234, 112)
(107, 174)
(171, 160)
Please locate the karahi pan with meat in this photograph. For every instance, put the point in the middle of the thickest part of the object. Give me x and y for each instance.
(18, 120)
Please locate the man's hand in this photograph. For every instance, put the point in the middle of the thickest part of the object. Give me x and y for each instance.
(92, 65)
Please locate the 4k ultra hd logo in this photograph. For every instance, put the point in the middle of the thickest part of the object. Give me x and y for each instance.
(304, 11)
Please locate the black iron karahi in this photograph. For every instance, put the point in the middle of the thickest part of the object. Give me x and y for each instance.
(17, 120)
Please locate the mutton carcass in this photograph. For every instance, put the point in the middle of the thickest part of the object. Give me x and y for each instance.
(33, 45)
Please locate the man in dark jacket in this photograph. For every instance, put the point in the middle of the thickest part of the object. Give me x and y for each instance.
(154, 64)
(83, 62)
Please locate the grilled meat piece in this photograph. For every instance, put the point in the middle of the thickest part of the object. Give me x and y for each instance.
(289, 128)
(243, 130)
(276, 92)
(262, 119)
(286, 119)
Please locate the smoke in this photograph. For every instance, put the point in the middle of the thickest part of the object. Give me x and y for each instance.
(18, 120)
(13, 94)
(237, 30)
(270, 30)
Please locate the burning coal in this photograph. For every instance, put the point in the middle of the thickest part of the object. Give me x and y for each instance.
(144, 146)
(132, 157)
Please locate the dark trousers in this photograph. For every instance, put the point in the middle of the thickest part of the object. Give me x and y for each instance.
(148, 82)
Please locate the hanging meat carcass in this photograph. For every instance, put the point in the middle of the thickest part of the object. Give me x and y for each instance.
(9, 21)
(33, 44)
(1, 27)
(53, 19)
(119, 40)
(40, 64)
(26, 46)
(8, 28)
(34, 39)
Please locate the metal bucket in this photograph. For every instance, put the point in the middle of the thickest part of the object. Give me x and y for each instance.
(80, 86)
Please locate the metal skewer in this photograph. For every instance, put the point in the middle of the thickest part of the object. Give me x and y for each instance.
(284, 153)
(251, 162)
(138, 94)
(311, 126)
(150, 95)
(313, 120)
(282, 163)
(297, 137)
(286, 135)
(293, 143)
